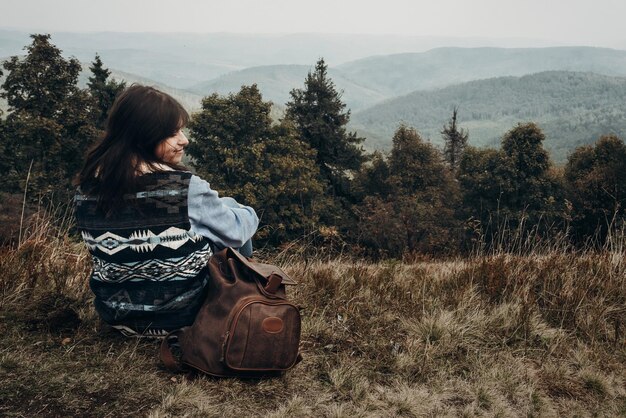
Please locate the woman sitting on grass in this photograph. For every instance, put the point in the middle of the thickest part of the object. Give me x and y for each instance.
(149, 223)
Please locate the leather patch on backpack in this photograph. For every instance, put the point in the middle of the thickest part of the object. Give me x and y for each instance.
(273, 325)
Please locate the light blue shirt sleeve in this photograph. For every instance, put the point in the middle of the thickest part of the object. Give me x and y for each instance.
(220, 219)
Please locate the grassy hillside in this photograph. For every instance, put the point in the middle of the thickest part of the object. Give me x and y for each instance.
(276, 81)
(403, 73)
(494, 335)
(572, 109)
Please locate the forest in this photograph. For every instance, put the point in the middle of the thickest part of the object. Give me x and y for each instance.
(570, 107)
(309, 177)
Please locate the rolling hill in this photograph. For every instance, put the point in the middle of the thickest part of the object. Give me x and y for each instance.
(189, 100)
(276, 81)
(368, 81)
(184, 59)
(418, 88)
(572, 108)
(403, 73)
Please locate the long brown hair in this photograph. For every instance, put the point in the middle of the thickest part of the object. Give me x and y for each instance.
(140, 118)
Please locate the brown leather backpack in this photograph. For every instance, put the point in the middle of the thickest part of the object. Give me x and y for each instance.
(245, 327)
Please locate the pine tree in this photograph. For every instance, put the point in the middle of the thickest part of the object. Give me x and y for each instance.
(455, 141)
(49, 121)
(40, 82)
(320, 117)
(102, 90)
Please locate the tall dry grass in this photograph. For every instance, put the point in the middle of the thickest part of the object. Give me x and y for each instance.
(538, 331)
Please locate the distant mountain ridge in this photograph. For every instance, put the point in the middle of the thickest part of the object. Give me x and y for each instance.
(403, 73)
(189, 100)
(276, 81)
(572, 108)
(185, 59)
(371, 80)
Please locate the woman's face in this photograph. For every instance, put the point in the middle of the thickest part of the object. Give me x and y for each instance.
(171, 149)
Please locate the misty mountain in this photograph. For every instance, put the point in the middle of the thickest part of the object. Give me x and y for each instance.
(184, 59)
(189, 100)
(400, 74)
(276, 81)
(368, 81)
(572, 108)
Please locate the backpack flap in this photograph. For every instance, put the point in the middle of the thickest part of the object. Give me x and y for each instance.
(265, 271)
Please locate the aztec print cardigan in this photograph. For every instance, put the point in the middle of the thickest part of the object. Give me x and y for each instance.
(149, 259)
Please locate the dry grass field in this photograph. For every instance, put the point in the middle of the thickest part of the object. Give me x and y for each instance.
(541, 334)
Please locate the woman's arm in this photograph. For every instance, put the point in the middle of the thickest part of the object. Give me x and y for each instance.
(222, 220)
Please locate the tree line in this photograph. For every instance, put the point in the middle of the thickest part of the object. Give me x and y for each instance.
(308, 176)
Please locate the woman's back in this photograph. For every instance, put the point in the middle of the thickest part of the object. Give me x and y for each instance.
(149, 264)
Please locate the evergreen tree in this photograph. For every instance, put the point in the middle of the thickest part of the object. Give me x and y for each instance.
(484, 177)
(455, 141)
(533, 193)
(102, 90)
(372, 179)
(513, 187)
(49, 121)
(414, 165)
(236, 147)
(595, 178)
(39, 83)
(318, 113)
(417, 213)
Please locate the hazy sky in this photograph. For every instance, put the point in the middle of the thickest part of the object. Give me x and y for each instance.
(585, 22)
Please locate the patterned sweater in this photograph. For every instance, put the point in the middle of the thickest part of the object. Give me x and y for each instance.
(149, 260)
